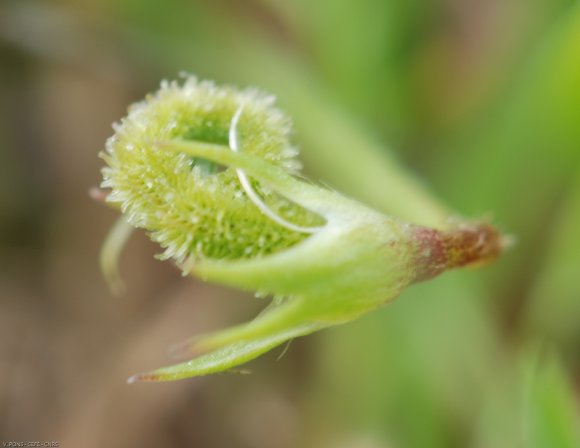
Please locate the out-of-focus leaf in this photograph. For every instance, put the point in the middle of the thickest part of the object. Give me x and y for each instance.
(555, 298)
(529, 402)
(361, 49)
(551, 417)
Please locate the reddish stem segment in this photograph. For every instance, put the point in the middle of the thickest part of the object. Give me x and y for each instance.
(471, 244)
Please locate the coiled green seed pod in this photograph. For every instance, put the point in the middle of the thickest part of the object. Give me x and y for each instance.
(192, 207)
(209, 172)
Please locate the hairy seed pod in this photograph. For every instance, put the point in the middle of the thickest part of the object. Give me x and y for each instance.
(209, 172)
(192, 207)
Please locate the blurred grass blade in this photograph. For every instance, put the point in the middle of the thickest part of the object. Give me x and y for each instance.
(554, 304)
(551, 417)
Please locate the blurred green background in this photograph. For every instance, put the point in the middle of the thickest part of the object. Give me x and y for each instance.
(479, 98)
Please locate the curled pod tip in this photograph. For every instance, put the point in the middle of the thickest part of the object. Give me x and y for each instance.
(196, 208)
